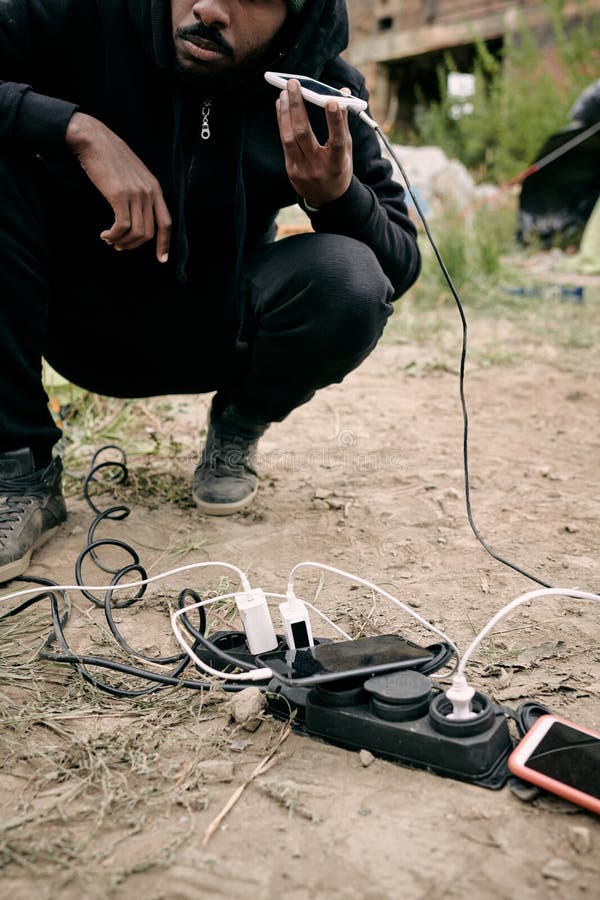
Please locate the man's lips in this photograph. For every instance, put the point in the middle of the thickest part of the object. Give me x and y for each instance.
(204, 50)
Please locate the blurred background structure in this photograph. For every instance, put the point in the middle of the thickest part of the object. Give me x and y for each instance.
(400, 44)
(487, 83)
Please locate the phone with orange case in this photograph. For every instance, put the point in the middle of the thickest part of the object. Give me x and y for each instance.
(562, 758)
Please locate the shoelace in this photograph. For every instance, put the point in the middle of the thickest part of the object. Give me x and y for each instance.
(230, 454)
(16, 495)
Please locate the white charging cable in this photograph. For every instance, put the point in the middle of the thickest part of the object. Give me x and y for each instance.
(13, 595)
(253, 674)
(293, 604)
(373, 587)
(461, 693)
(251, 603)
(317, 612)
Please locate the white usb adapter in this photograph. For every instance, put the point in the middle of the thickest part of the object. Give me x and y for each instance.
(296, 623)
(256, 618)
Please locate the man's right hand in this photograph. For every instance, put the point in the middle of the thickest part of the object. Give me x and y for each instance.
(132, 191)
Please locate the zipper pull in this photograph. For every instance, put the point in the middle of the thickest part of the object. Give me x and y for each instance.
(205, 130)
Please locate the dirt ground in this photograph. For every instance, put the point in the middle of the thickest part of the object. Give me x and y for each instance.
(108, 798)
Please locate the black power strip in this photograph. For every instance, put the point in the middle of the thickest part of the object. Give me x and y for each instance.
(401, 716)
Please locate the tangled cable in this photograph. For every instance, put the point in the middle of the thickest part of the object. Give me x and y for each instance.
(60, 609)
(199, 651)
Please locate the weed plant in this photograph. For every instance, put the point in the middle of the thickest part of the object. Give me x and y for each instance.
(512, 312)
(521, 99)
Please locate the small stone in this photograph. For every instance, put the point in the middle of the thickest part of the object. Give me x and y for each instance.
(452, 494)
(77, 529)
(239, 745)
(580, 838)
(412, 601)
(559, 869)
(366, 758)
(571, 529)
(247, 707)
(322, 493)
(320, 504)
(213, 771)
(525, 792)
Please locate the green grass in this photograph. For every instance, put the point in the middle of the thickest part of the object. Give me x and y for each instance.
(488, 271)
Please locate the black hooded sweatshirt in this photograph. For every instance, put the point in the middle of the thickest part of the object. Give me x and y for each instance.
(224, 183)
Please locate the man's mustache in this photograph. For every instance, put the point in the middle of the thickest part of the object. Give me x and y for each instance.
(205, 33)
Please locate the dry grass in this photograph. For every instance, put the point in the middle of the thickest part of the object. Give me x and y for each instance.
(82, 773)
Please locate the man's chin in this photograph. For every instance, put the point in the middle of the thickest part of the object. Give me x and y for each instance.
(200, 75)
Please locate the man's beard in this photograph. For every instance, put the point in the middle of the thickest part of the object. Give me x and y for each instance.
(220, 78)
(230, 75)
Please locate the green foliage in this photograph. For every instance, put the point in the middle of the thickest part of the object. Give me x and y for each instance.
(521, 99)
(472, 248)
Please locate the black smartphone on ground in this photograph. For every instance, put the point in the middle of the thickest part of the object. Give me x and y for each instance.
(562, 758)
(344, 659)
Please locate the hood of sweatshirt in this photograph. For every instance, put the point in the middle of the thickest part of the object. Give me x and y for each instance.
(316, 36)
(309, 41)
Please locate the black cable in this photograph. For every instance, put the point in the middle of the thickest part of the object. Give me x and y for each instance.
(201, 639)
(463, 357)
(119, 477)
(57, 635)
(163, 680)
(527, 714)
(160, 660)
(25, 605)
(46, 595)
(81, 662)
(91, 538)
(112, 542)
(442, 653)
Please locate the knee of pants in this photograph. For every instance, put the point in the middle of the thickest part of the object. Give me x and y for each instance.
(354, 296)
(346, 299)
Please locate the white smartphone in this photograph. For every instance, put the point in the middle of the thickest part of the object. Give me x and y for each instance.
(562, 758)
(316, 92)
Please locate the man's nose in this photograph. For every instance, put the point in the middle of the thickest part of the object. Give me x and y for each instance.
(212, 12)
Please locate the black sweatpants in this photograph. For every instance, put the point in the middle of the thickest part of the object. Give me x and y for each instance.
(313, 307)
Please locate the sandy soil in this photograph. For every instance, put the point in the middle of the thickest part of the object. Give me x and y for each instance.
(107, 798)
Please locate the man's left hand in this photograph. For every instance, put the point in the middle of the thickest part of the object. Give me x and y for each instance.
(319, 173)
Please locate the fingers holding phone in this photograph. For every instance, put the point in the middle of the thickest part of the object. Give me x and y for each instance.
(320, 173)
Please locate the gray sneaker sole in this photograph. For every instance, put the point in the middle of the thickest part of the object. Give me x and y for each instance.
(19, 566)
(224, 509)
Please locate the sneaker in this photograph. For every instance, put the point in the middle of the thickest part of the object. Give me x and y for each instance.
(225, 480)
(31, 507)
